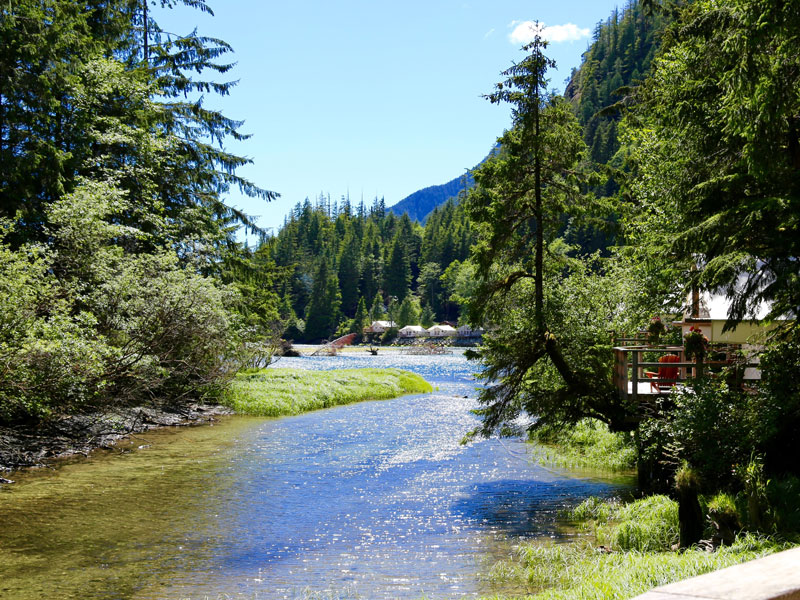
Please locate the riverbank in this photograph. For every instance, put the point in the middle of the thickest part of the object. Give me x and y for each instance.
(26, 446)
(267, 392)
(626, 552)
(625, 549)
(276, 392)
(589, 444)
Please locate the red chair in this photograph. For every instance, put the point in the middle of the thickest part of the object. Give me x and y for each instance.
(660, 386)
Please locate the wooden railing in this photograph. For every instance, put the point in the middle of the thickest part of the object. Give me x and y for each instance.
(630, 370)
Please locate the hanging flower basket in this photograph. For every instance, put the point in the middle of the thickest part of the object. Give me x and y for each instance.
(655, 330)
(695, 344)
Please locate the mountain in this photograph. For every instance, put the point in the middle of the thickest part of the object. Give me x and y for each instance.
(420, 204)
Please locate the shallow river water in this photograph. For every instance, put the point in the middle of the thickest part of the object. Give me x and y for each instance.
(375, 500)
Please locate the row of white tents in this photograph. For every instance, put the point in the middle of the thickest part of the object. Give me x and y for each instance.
(418, 331)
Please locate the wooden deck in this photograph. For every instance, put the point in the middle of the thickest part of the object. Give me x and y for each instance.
(636, 379)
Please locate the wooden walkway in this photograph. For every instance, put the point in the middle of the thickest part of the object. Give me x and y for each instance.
(773, 577)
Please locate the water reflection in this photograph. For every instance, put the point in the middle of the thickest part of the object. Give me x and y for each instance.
(372, 500)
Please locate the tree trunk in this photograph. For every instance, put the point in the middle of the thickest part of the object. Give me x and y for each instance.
(690, 516)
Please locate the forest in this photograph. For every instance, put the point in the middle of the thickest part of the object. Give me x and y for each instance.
(670, 163)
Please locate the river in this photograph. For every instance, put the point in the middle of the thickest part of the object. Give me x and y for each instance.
(374, 500)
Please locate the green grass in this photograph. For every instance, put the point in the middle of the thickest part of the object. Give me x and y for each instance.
(587, 445)
(284, 392)
(646, 525)
(639, 536)
(578, 571)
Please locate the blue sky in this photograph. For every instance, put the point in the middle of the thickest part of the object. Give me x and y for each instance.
(374, 98)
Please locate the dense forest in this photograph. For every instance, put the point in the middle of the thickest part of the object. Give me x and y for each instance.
(342, 266)
(121, 280)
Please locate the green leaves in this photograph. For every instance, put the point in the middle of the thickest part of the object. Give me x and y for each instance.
(721, 112)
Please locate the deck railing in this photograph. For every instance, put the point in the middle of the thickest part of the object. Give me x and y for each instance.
(630, 369)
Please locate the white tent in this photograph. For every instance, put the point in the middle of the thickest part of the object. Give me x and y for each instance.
(442, 331)
(379, 326)
(412, 331)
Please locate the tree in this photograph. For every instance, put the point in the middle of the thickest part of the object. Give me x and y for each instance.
(521, 199)
(718, 132)
(377, 311)
(361, 319)
(408, 312)
(349, 274)
(397, 275)
(77, 101)
(322, 314)
(428, 284)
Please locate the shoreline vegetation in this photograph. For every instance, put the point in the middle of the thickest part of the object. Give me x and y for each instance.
(277, 392)
(587, 445)
(258, 392)
(626, 549)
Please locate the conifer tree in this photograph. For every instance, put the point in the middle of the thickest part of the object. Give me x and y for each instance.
(322, 314)
(520, 200)
(397, 274)
(361, 318)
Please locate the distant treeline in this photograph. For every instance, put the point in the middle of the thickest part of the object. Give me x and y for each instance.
(340, 265)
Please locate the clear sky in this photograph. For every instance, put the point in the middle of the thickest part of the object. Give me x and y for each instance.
(374, 98)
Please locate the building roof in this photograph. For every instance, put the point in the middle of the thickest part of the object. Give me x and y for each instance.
(442, 328)
(386, 324)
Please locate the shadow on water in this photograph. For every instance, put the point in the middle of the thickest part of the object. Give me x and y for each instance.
(523, 509)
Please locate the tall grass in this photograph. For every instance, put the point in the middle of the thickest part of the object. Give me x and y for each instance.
(578, 571)
(588, 444)
(284, 392)
(639, 536)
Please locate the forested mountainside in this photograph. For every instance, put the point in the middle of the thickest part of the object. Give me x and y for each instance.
(619, 57)
(340, 265)
(420, 204)
(343, 264)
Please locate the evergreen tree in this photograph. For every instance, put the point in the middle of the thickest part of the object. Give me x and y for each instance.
(408, 312)
(520, 200)
(361, 318)
(427, 318)
(377, 311)
(349, 274)
(322, 314)
(718, 152)
(397, 274)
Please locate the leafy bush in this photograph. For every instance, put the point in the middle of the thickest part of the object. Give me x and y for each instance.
(709, 426)
(84, 324)
(778, 425)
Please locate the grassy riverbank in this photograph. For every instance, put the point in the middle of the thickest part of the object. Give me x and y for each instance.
(282, 392)
(635, 556)
(627, 549)
(587, 445)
